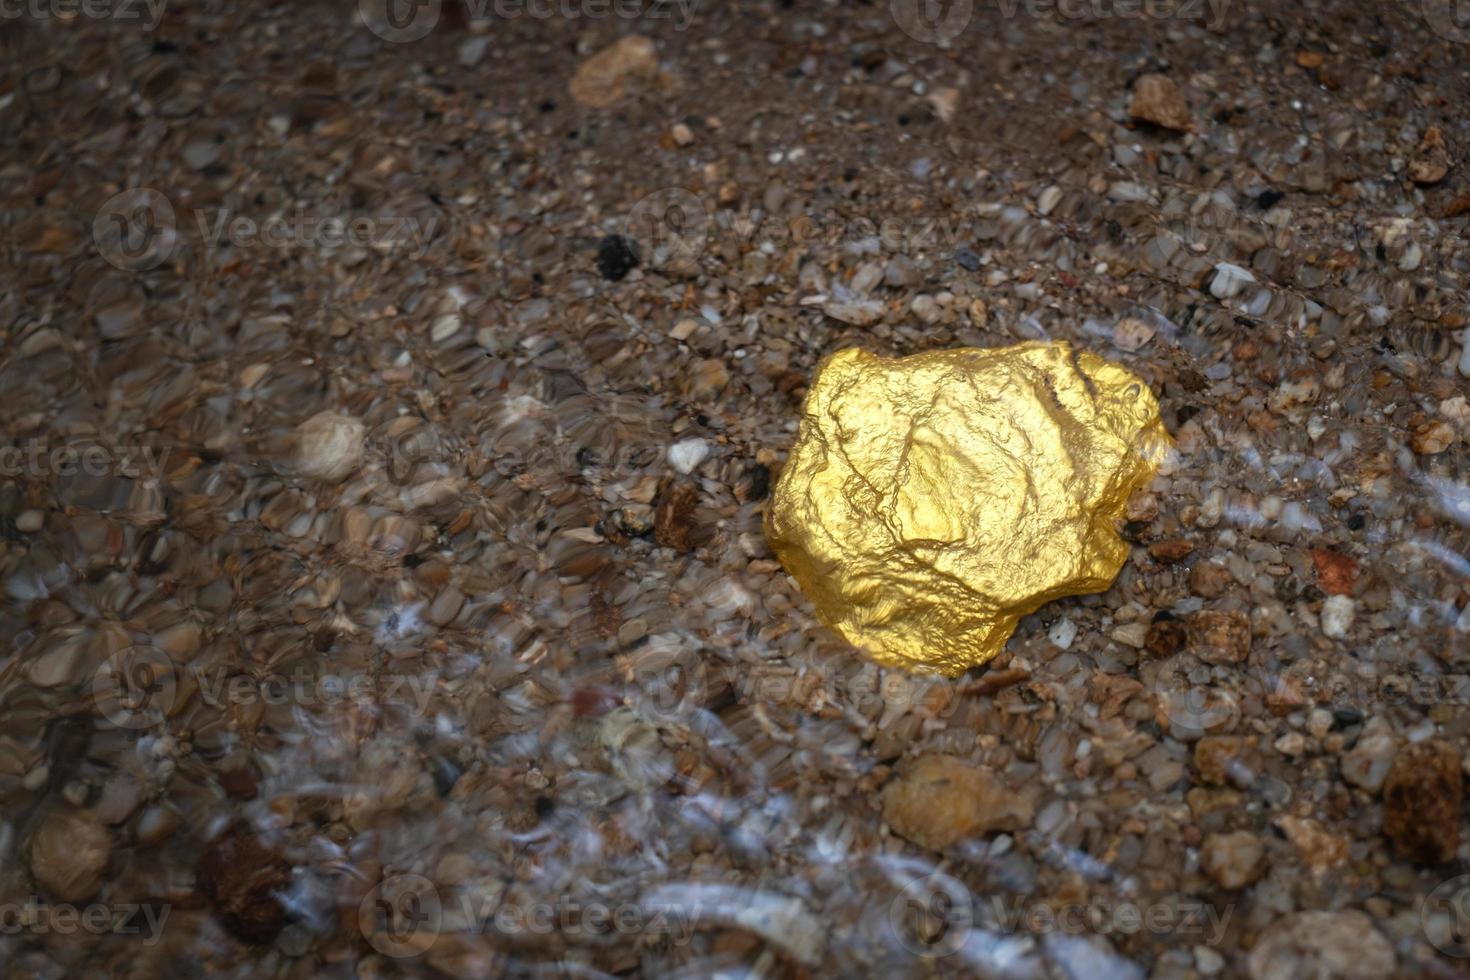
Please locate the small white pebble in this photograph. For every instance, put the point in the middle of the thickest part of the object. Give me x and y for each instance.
(1337, 616)
(30, 521)
(329, 446)
(686, 454)
(1131, 635)
(1062, 633)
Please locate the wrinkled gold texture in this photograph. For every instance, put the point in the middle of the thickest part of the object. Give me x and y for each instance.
(932, 501)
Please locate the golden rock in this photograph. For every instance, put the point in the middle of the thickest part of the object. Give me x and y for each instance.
(931, 501)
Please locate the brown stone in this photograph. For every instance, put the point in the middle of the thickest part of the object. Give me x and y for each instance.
(1220, 637)
(1165, 637)
(940, 800)
(1336, 574)
(1421, 802)
(1319, 849)
(1213, 755)
(606, 77)
(1234, 860)
(243, 879)
(1171, 550)
(1157, 99)
(1430, 161)
(69, 854)
(673, 513)
(1209, 579)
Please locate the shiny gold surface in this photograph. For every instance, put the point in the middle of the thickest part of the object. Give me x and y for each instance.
(931, 501)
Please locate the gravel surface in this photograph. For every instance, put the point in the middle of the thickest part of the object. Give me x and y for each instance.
(389, 403)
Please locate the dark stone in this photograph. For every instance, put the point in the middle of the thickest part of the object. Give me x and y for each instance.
(616, 257)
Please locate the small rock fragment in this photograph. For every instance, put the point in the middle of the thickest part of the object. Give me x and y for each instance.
(1220, 637)
(1341, 945)
(1165, 637)
(1171, 550)
(673, 513)
(1156, 99)
(1421, 802)
(1430, 161)
(605, 77)
(69, 854)
(1131, 333)
(941, 800)
(1367, 763)
(1337, 616)
(1319, 849)
(244, 880)
(1062, 633)
(1210, 579)
(858, 312)
(616, 257)
(1336, 574)
(1229, 280)
(1431, 437)
(329, 446)
(686, 454)
(1234, 860)
(1219, 757)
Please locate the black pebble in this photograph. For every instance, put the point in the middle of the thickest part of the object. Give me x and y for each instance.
(615, 257)
(967, 259)
(1268, 199)
(1356, 522)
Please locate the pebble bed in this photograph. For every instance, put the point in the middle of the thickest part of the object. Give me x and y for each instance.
(388, 415)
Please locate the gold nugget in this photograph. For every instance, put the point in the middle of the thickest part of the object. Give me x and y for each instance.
(932, 501)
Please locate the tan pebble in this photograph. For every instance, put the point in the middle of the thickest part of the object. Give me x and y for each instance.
(69, 854)
(605, 77)
(1157, 99)
(1220, 637)
(329, 446)
(1234, 860)
(941, 800)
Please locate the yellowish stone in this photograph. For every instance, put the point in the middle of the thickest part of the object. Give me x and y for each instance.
(932, 501)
